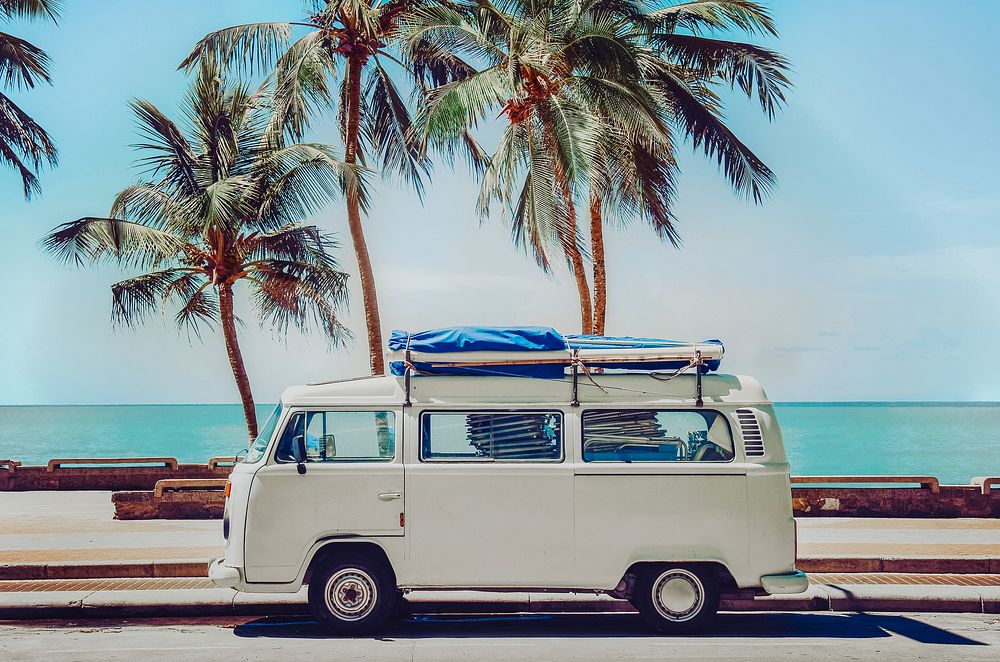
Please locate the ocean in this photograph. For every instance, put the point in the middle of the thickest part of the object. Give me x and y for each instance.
(953, 441)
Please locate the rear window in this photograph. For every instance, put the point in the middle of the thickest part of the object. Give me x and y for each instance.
(491, 436)
(656, 436)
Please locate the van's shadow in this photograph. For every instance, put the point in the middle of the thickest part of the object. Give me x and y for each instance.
(742, 625)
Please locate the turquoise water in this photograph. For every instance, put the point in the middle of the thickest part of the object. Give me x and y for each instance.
(951, 441)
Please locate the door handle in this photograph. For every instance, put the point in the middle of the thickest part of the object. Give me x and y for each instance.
(390, 496)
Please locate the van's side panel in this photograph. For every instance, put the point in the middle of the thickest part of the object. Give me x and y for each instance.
(630, 513)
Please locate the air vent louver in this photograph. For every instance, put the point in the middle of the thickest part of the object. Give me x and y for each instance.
(753, 438)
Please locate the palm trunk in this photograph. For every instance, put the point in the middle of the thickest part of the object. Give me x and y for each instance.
(567, 236)
(368, 294)
(576, 261)
(236, 358)
(597, 256)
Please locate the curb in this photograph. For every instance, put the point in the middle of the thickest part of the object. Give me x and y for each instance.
(817, 599)
(132, 570)
(852, 565)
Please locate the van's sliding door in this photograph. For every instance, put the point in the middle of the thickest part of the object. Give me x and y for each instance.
(489, 500)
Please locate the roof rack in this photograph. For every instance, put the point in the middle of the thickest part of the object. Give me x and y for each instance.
(542, 352)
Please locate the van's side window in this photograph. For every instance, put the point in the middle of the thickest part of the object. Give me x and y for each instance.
(491, 436)
(341, 436)
(656, 436)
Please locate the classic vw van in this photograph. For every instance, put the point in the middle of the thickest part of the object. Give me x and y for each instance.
(616, 466)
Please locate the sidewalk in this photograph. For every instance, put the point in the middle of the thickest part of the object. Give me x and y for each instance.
(153, 600)
(62, 554)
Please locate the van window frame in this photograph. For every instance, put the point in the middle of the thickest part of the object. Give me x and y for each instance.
(292, 410)
(490, 460)
(674, 463)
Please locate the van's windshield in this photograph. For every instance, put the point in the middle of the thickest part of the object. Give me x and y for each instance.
(259, 446)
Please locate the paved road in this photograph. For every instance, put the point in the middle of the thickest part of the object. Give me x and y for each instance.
(748, 636)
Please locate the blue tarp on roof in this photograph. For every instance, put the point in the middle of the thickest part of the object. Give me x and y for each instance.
(479, 339)
(521, 339)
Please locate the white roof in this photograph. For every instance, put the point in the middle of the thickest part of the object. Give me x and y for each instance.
(442, 390)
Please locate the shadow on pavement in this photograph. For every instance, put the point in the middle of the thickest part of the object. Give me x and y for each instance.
(747, 625)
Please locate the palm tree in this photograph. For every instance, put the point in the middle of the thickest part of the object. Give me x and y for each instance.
(24, 145)
(554, 84)
(350, 45)
(222, 204)
(626, 85)
(682, 65)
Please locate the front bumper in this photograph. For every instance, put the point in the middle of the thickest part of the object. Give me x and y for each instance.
(223, 576)
(792, 582)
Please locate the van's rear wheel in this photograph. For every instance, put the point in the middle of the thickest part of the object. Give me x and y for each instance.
(352, 595)
(677, 599)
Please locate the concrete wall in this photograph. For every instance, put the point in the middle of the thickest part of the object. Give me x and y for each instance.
(194, 504)
(951, 501)
(24, 479)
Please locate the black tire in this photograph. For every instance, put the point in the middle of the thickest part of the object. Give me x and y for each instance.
(677, 599)
(353, 595)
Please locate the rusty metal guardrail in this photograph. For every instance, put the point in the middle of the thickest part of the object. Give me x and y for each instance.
(214, 462)
(986, 483)
(175, 484)
(168, 462)
(926, 482)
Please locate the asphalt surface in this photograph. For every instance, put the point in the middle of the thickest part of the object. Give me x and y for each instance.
(596, 637)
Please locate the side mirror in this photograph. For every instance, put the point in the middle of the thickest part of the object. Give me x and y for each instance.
(299, 452)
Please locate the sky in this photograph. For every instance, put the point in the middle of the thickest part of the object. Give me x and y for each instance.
(870, 274)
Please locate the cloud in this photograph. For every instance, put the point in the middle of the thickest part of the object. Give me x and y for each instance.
(955, 203)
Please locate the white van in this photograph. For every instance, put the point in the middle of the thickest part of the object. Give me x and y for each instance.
(663, 488)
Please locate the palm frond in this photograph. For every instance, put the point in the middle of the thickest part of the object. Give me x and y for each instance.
(49, 9)
(172, 155)
(572, 132)
(24, 134)
(756, 71)
(298, 294)
(21, 63)
(301, 84)
(744, 169)
(719, 15)
(225, 205)
(388, 127)
(92, 239)
(28, 179)
(200, 304)
(294, 243)
(134, 299)
(250, 47)
(301, 179)
(152, 206)
(451, 109)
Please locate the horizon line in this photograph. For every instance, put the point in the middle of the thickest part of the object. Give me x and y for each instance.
(262, 404)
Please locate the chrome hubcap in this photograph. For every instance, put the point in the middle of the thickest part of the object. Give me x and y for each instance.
(351, 594)
(678, 595)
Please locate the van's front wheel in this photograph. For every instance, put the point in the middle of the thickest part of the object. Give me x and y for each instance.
(677, 599)
(352, 596)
